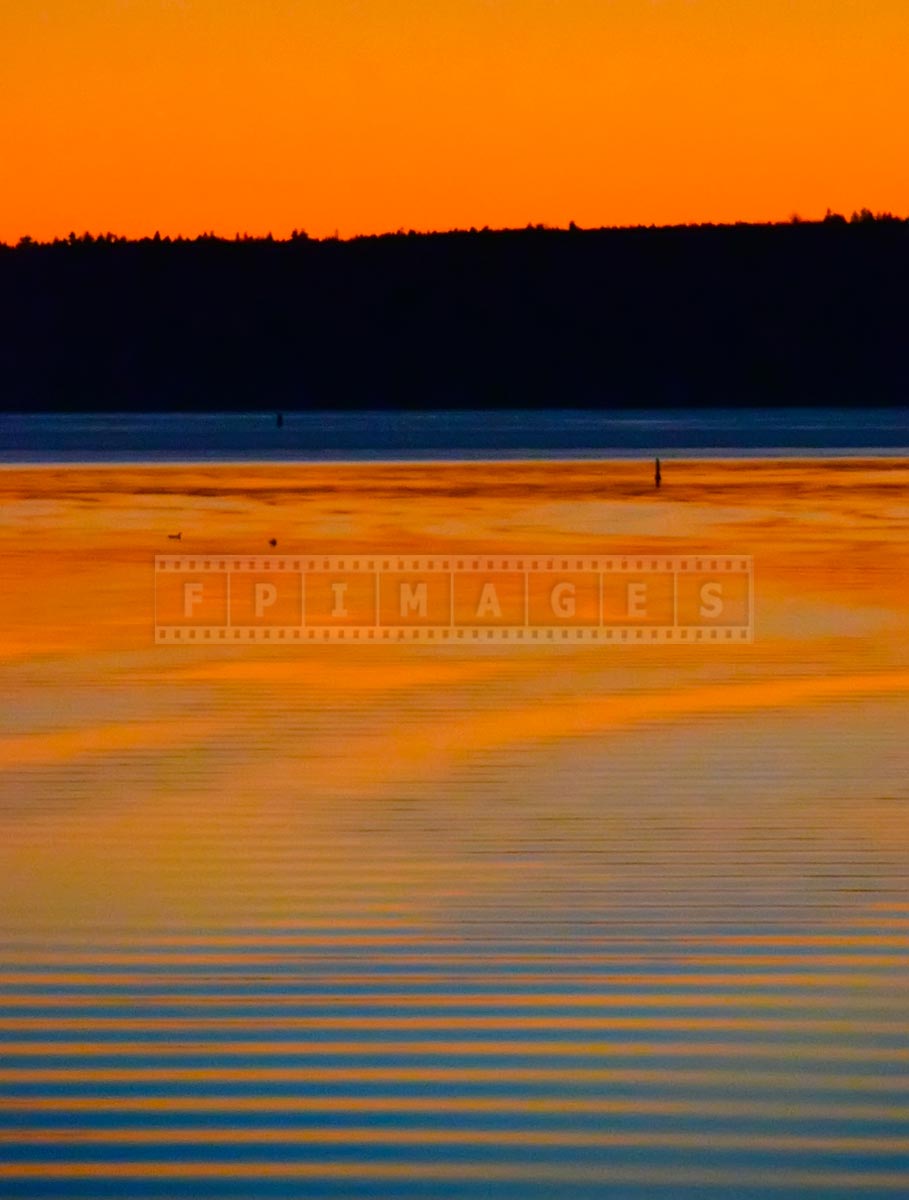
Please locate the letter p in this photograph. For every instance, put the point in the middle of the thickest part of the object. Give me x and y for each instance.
(265, 596)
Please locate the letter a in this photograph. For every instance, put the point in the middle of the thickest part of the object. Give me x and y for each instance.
(489, 602)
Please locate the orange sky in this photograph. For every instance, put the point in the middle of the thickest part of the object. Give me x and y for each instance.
(369, 115)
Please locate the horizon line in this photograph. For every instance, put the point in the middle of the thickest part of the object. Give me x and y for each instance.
(863, 216)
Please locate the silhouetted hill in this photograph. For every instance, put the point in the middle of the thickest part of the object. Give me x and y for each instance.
(801, 313)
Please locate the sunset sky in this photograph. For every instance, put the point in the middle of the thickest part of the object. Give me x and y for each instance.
(369, 115)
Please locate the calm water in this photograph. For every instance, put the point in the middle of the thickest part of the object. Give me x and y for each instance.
(416, 921)
(368, 436)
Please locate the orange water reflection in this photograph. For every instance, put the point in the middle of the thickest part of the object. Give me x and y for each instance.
(605, 905)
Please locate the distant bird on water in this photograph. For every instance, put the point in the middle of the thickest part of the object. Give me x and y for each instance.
(175, 537)
(272, 541)
(657, 473)
(280, 421)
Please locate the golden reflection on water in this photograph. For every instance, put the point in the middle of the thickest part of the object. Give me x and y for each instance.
(433, 921)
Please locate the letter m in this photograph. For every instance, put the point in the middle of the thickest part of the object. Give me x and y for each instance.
(413, 599)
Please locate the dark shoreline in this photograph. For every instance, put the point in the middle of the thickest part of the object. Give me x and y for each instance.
(770, 316)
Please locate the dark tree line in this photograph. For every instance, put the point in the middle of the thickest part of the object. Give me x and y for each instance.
(801, 313)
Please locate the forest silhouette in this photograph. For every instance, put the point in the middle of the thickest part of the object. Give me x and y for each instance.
(783, 314)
